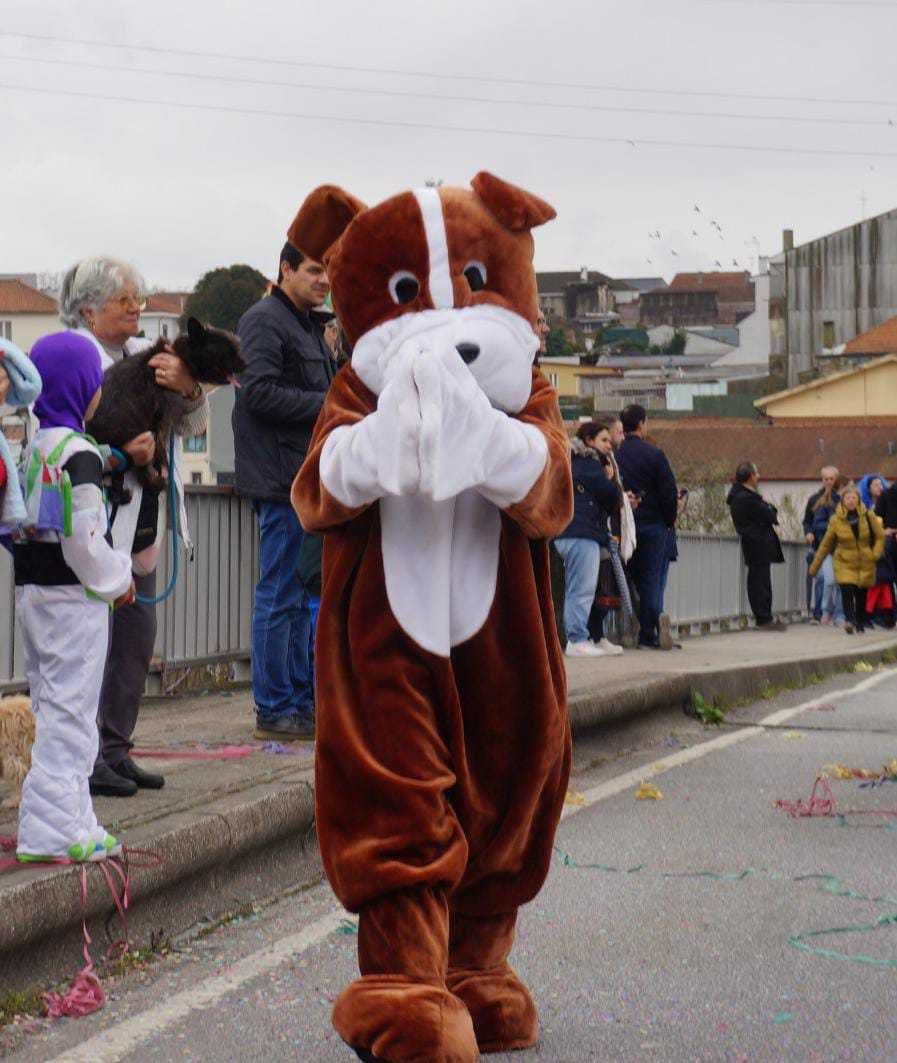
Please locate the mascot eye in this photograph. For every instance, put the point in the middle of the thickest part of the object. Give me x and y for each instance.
(403, 287)
(475, 272)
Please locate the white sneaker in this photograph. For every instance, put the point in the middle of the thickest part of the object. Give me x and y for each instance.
(610, 648)
(584, 649)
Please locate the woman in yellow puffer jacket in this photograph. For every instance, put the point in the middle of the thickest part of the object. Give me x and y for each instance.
(856, 537)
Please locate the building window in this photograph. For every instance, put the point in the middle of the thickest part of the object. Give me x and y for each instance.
(6, 330)
(196, 444)
(196, 477)
(553, 379)
(164, 330)
(828, 334)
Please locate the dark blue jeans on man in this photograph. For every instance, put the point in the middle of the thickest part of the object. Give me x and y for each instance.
(648, 567)
(281, 620)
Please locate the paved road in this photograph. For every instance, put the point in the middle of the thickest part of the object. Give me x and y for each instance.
(677, 947)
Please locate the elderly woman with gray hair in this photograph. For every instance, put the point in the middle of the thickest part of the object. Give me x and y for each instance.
(102, 298)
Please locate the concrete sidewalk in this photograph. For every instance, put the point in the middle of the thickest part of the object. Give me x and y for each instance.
(231, 831)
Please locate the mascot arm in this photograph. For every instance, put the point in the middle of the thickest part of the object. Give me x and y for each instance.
(544, 508)
(337, 481)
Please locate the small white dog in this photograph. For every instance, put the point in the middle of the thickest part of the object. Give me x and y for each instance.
(16, 740)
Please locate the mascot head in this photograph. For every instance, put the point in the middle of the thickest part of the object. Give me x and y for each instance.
(438, 272)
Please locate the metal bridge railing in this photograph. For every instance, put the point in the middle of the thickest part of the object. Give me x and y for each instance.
(207, 619)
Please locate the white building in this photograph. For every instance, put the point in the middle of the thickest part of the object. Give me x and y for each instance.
(162, 314)
(26, 314)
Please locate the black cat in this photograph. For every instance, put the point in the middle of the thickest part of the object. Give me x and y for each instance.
(132, 401)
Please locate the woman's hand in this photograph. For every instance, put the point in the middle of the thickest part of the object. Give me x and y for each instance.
(141, 449)
(4, 385)
(173, 375)
(609, 471)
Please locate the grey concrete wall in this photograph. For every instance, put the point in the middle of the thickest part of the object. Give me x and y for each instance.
(848, 278)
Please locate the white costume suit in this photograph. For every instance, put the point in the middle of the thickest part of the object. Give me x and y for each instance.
(65, 631)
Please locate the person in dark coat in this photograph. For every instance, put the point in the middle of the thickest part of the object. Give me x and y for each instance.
(648, 478)
(755, 520)
(596, 495)
(886, 508)
(282, 390)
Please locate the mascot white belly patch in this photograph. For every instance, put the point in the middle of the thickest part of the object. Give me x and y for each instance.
(440, 560)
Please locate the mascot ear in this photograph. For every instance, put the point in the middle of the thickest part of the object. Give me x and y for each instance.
(322, 219)
(515, 209)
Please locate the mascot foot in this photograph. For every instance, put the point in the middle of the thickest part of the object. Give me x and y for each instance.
(390, 1019)
(504, 1015)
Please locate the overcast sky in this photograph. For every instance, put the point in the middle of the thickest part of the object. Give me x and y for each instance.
(180, 190)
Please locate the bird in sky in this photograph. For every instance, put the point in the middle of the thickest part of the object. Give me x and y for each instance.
(672, 252)
(697, 209)
(694, 232)
(718, 263)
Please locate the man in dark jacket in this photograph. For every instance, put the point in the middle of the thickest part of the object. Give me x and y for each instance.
(754, 520)
(649, 480)
(288, 372)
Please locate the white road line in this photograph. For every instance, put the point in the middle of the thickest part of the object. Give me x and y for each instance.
(120, 1040)
(627, 780)
(114, 1044)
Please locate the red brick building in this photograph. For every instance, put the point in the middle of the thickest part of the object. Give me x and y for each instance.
(699, 299)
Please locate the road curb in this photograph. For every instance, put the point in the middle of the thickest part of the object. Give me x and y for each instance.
(43, 914)
(730, 685)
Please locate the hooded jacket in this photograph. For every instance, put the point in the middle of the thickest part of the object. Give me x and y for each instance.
(856, 547)
(754, 520)
(595, 497)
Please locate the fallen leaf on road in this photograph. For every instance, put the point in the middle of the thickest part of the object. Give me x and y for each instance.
(648, 792)
(863, 666)
(794, 734)
(573, 798)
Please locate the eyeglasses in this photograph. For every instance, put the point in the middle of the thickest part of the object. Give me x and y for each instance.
(127, 301)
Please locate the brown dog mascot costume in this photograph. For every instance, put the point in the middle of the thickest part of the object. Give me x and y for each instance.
(438, 468)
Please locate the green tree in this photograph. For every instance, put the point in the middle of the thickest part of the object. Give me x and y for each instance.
(676, 343)
(558, 345)
(223, 295)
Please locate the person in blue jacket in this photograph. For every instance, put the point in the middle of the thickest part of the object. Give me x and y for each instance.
(648, 478)
(596, 495)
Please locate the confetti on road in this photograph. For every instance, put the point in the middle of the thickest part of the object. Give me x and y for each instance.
(648, 792)
(782, 1017)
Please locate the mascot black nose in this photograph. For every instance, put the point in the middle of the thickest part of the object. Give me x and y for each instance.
(469, 352)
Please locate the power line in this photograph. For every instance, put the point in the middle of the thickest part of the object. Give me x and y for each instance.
(366, 91)
(432, 126)
(483, 79)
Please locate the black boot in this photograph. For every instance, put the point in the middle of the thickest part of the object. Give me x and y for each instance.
(146, 780)
(108, 783)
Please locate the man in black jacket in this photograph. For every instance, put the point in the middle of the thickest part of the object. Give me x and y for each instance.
(755, 520)
(289, 370)
(650, 482)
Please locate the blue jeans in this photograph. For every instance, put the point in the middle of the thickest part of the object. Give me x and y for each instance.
(581, 560)
(649, 568)
(827, 593)
(281, 619)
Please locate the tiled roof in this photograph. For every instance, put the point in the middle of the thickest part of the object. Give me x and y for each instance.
(19, 298)
(166, 302)
(558, 280)
(645, 284)
(822, 382)
(879, 340)
(731, 286)
(781, 451)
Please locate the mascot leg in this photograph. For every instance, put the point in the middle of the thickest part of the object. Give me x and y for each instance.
(400, 1010)
(504, 1015)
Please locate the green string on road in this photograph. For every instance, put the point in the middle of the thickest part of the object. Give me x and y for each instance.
(798, 941)
(827, 884)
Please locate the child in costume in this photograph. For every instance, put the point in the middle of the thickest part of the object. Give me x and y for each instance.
(67, 574)
(439, 467)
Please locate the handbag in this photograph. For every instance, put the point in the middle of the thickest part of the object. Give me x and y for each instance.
(607, 596)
